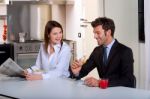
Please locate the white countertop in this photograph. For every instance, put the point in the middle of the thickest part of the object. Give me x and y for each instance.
(66, 89)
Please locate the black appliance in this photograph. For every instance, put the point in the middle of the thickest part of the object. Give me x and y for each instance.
(141, 20)
(6, 51)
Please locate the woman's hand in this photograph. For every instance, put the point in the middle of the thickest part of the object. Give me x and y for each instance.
(34, 76)
(24, 72)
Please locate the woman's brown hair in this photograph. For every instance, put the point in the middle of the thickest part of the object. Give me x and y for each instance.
(48, 28)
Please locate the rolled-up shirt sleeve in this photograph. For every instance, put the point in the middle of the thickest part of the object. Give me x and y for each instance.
(38, 61)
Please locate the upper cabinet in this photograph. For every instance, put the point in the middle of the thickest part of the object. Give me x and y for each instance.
(3, 10)
(66, 2)
(4, 2)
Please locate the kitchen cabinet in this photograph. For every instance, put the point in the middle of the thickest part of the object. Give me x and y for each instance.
(60, 2)
(2, 2)
(3, 10)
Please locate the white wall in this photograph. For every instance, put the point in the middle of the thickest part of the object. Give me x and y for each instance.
(92, 10)
(125, 15)
(142, 70)
(73, 16)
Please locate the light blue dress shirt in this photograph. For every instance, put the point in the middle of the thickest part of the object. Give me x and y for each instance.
(54, 65)
(109, 46)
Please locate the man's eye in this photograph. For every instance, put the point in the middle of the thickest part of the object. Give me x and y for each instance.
(98, 33)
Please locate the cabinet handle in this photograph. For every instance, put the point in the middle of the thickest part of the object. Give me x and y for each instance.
(83, 26)
(2, 52)
(82, 19)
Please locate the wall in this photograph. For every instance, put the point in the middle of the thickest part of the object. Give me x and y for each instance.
(125, 15)
(92, 10)
(142, 67)
(73, 15)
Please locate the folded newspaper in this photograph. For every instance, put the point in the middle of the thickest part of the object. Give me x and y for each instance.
(11, 68)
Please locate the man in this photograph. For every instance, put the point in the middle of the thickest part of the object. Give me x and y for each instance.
(116, 64)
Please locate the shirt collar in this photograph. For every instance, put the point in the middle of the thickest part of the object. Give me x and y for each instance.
(111, 44)
(56, 48)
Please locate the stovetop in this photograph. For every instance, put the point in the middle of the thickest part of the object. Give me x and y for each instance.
(29, 41)
(29, 46)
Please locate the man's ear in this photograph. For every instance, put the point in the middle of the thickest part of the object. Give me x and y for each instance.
(109, 32)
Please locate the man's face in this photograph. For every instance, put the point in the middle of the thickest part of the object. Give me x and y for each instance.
(100, 35)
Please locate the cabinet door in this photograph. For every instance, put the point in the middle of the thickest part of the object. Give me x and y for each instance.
(4, 1)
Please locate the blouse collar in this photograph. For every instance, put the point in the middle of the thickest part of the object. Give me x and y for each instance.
(56, 48)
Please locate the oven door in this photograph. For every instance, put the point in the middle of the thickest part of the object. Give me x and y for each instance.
(26, 60)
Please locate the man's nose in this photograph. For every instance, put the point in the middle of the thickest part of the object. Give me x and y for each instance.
(95, 36)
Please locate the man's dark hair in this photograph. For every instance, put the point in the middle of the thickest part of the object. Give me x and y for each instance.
(106, 23)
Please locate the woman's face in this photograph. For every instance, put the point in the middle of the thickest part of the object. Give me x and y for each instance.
(55, 35)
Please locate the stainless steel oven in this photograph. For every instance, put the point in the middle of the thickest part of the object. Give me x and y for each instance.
(25, 54)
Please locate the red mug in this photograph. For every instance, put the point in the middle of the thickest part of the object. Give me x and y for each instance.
(103, 83)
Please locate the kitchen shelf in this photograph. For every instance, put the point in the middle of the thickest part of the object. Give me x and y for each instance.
(2, 17)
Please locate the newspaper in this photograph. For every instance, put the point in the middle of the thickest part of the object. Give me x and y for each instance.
(11, 68)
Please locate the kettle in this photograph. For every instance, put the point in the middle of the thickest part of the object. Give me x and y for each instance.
(22, 37)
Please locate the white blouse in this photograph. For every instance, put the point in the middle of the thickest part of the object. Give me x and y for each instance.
(54, 65)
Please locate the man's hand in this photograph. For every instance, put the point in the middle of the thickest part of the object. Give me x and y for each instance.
(34, 77)
(91, 82)
(76, 67)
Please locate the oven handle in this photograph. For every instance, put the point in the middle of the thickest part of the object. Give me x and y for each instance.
(2, 52)
(27, 55)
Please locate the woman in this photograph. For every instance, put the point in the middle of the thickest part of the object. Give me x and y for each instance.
(53, 57)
